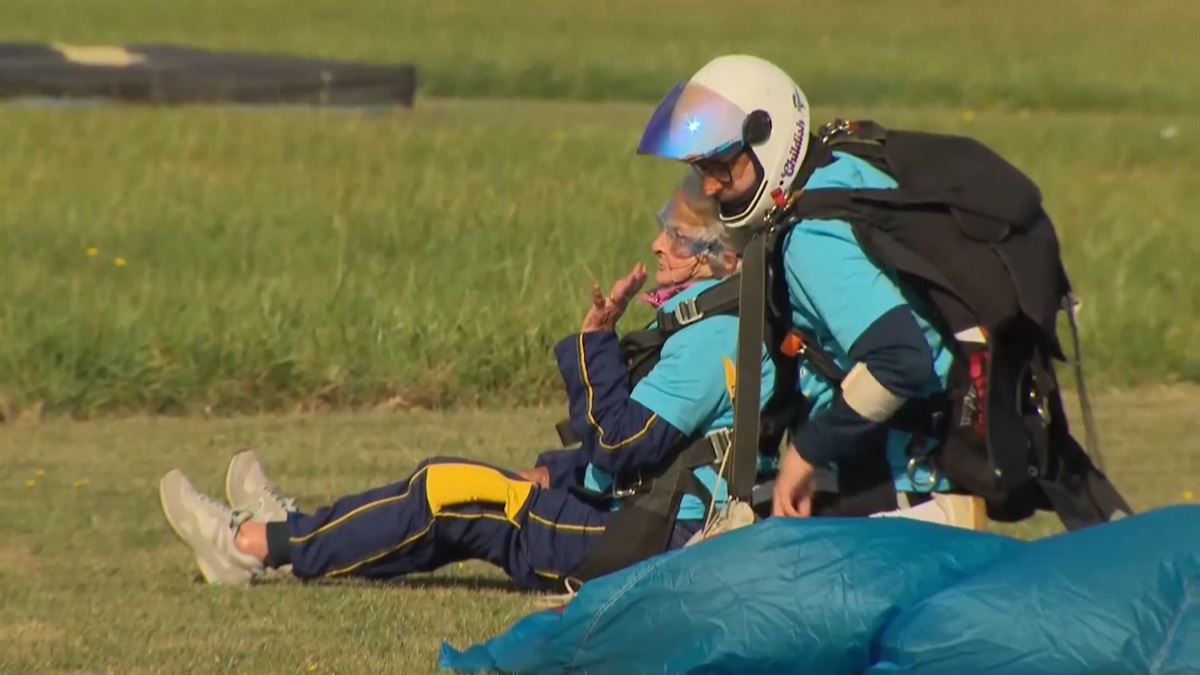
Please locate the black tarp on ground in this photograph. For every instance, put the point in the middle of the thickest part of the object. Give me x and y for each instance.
(172, 74)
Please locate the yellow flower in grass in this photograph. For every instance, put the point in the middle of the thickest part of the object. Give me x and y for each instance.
(1188, 496)
(79, 483)
(120, 262)
(92, 251)
(39, 473)
(30, 483)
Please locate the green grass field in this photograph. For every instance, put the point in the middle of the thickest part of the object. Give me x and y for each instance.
(94, 581)
(280, 258)
(213, 262)
(276, 259)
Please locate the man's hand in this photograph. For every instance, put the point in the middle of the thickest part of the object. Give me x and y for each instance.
(794, 486)
(605, 311)
(539, 476)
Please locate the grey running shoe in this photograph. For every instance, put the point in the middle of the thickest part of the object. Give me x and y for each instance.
(248, 489)
(208, 527)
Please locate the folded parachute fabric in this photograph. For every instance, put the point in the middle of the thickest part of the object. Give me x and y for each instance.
(881, 596)
(782, 596)
(1119, 598)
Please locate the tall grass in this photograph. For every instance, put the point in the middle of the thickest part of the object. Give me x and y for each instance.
(1077, 55)
(275, 257)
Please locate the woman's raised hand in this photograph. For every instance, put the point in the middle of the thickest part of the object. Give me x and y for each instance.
(607, 310)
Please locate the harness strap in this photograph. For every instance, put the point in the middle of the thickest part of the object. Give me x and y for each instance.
(747, 421)
(1079, 493)
(706, 451)
(1070, 304)
(801, 345)
(720, 299)
(644, 524)
(565, 434)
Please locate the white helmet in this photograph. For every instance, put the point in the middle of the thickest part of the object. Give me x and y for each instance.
(736, 101)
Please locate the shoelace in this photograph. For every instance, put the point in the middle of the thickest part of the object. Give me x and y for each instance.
(273, 493)
(212, 501)
(237, 517)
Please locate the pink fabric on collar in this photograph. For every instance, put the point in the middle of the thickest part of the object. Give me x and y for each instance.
(659, 296)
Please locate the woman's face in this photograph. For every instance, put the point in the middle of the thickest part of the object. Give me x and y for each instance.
(681, 247)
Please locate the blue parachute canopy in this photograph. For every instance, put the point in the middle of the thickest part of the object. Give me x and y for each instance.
(881, 596)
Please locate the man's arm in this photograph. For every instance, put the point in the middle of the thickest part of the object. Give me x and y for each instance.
(868, 316)
(892, 364)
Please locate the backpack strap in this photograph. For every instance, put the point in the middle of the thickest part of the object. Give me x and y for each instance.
(800, 345)
(863, 139)
(1070, 305)
(747, 420)
(842, 131)
(646, 521)
(720, 299)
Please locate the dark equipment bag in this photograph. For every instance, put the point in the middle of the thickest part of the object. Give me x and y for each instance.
(966, 232)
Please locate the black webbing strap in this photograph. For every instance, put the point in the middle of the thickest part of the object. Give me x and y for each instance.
(645, 522)
(1078, 492)
(808, 349)
(566, 435)
(1085, 403)
(743, 467)
(720, 299)
(840, 131)
(640, 529)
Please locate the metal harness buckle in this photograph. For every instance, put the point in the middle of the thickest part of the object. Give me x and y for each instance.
(629, 490)
(911, 470)
(722, 443)
(687, 312)
(834, 128)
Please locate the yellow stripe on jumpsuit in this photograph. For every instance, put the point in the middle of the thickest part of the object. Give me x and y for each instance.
(449, 510)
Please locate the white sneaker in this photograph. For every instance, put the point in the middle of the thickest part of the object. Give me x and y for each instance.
(248, 489)
(208, 527)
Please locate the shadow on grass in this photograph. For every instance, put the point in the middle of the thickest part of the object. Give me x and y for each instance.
(467, 583)
(464, 583)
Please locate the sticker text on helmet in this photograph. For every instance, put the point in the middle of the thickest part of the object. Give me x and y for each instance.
(789, 167)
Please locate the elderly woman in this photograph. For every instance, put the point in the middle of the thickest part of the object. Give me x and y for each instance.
(539, 524)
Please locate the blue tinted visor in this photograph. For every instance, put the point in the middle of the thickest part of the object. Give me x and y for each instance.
(691, 123)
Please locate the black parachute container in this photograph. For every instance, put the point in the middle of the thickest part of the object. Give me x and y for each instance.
(167, 74)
